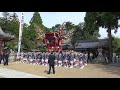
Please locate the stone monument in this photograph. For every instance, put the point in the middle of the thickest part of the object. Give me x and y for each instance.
(100, 58)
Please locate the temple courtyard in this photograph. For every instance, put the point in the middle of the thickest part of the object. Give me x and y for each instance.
(20, 70)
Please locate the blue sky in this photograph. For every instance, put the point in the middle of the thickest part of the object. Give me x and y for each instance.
(52, 18)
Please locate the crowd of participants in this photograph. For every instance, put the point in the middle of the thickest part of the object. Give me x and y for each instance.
(63, 59)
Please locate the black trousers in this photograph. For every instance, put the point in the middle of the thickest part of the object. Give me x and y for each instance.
(53, 68)
(1, 58)
(5, 60)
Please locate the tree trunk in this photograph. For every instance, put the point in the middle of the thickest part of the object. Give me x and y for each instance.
(110, 43)
(74, 47)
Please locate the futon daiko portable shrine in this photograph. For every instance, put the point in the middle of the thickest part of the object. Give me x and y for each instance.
(54, 40)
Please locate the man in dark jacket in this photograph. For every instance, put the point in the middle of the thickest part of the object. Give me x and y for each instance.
(51, 61)
(6, 53)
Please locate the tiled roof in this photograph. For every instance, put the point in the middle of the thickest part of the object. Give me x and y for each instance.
(6, 36)
(92, 44)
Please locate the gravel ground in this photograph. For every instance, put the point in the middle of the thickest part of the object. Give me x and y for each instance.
(89, 71)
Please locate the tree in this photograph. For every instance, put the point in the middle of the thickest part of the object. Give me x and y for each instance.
(81, 33)
(14, 16)
(47, 30)
(5, 21)
(26, 41)
(116, 44)
(10, 25)
(8, 21)
(35, 27)
(56, 27)
(69, 25)
(69, 30)
(109, 20)
(6, 15)
(73, 42)
(36, 19)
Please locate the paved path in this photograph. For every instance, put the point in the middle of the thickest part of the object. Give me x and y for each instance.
(114, 64)
(9, 73)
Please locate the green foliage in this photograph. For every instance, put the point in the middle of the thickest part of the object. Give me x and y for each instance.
(47, 30)
(109, 20)
(54, 28)
(36, 19)
(10, 24)
(116, 44)
(44, 48)
(90, 24)
(36, 27)
(81, 33)
(26, 38)
(57, 25)
(69, 26)
(6, 16)
(94, 20)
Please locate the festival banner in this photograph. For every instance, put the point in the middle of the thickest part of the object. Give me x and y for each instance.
(20, 31)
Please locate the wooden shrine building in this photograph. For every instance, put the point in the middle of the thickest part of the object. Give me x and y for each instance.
(4, 37)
